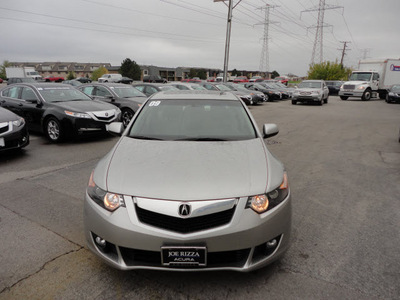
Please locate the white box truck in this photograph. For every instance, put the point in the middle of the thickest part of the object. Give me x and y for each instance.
(372, 79)
(22, 72)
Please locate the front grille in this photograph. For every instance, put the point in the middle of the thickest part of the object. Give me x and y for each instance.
(187, 225)
(349, 87)
(134, 257)
(105, 118)
(305, 93)
(4, 128)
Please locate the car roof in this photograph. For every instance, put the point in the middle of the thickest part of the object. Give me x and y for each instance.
(43, 85)
(109, 84)
(149, 83)
(194, 95)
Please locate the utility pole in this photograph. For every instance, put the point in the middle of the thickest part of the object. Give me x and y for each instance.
(344, 51)
(264, 58)
(228, 34)
(317, 53)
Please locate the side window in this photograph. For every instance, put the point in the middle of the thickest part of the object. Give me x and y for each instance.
(88, 90)
(28, 94)
(152, 90)
(140, 88)
(376, 76)
(101, 92)
(12, 92)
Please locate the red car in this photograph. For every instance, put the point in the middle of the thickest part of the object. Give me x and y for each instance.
(240, 79)
(54, 78)
(283, 80)
(191, 80)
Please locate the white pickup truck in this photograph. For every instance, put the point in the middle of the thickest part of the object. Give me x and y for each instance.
(373, 79)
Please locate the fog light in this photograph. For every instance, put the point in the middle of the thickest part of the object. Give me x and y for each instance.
(272, 243)
(101, 242)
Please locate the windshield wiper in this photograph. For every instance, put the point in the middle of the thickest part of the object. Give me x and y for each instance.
(203, 139)
(143, 137)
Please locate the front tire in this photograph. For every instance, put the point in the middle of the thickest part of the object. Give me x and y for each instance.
(294, 102)
(367, 95)
(53, 130)
(344, 97)
(126, 116)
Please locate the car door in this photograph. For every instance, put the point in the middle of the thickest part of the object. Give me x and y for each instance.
(325, 90)
(10, 99)
(32, 108)
(103, 94)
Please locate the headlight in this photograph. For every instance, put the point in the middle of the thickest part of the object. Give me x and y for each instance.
(361, 87)
(77, 115)
(107, 200)
(391, 94)
(261, 203)
(19, 122)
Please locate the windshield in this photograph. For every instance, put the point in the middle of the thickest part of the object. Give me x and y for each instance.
(127, 92)
(360, 76)
(61, 94)
(396, 88)
(223, 87)
(195, 120)
(168, 88)
(310, 84)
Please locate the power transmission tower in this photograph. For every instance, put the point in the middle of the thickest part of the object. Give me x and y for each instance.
(365, 52)
(317, 53)
(264, 58)
(344, 51)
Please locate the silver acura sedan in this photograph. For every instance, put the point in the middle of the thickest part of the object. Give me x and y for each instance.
(189, 186)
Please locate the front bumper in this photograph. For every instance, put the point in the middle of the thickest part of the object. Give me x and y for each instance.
(307, 99)
(351, 93)
(14, 139)
(239, 245)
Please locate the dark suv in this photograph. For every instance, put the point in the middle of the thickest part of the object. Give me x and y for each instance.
(154, 78)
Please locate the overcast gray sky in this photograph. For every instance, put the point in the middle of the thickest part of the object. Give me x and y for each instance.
(191, 33)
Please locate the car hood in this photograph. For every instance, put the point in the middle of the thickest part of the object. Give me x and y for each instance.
(84, 105)
(307, 90)
(6, 115)
(355, 82)
(188, 170)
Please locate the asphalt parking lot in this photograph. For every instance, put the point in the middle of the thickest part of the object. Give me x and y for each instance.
(343, 162)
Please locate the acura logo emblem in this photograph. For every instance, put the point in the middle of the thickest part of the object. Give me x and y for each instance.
(106, 114)
(184, 210)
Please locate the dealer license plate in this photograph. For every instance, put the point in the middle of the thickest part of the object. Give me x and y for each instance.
(187, 256)
(2, 143)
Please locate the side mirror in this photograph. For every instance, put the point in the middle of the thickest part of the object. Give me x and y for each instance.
(115, 128)
(270, 130)
(32, 101)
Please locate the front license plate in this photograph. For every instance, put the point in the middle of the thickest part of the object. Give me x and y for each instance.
(187, 256)
(2, 143)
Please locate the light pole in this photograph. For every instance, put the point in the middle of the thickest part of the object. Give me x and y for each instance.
(228, 35)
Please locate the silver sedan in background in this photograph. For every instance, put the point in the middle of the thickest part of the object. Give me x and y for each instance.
(190, 186)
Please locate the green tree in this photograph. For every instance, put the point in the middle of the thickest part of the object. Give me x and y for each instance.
(192, 73)
(202, 74)
(98, 73)
(328, 70)
(131, 69)
(236, 72)
(274, 74)
(3, 67)
(71, 75)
